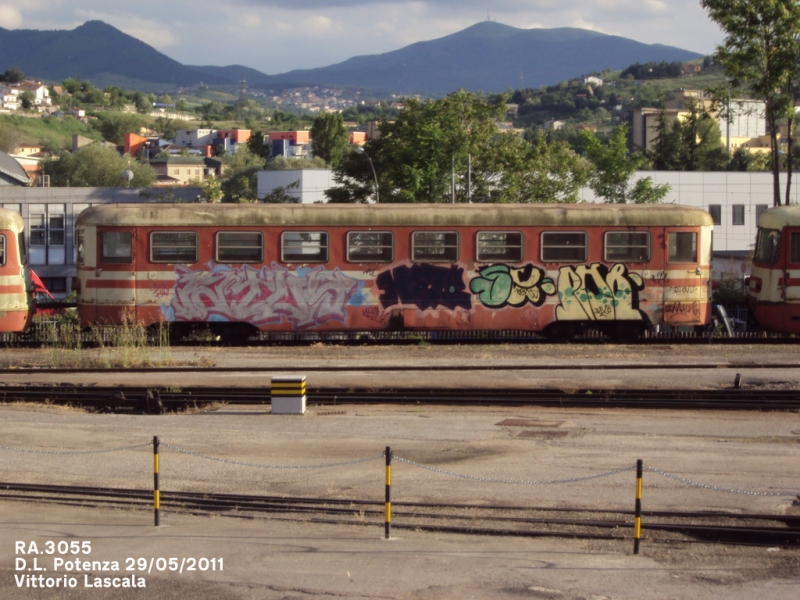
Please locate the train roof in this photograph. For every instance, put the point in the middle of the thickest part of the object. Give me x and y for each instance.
(780, 217)
(394, 215)
(10, 219)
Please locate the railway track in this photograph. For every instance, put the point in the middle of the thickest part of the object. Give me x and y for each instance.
(156, 400)
(657, 526)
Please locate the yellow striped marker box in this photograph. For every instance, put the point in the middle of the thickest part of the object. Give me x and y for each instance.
(288, 395)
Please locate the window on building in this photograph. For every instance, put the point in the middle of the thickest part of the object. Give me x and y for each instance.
(567, 246)
(56, 228)
(627, 246)
(173, 247)
(304, 246)
(55, 285)
(795, 247)
(768, 242)
(682, 247)
(37, 229)
(116, 247)
(738, 214)
(240, 247)
(370, 246)
(434, 246)
(760, 208)
(715, 210)
(499, 246)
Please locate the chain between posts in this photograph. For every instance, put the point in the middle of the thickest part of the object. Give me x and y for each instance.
(512, 481)
(263, 466)
(716, 487)
(73, 452)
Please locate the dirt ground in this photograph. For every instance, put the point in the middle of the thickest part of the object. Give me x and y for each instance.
(727, 461)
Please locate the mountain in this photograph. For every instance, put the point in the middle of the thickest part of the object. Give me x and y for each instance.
(488, 57)
(97, 52)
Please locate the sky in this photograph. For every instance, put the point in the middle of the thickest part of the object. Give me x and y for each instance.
(275, 36)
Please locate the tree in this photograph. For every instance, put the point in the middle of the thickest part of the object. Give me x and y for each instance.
(691, 143)
(26, 100)
(9, 137)
(329, 138)
(114, 126)
(240, 175)
(96, 165)
(759, 53)
(12, 75)
(258, 144)
(429, 143)
(613, 168)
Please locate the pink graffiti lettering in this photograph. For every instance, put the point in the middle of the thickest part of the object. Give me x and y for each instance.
(263, 296)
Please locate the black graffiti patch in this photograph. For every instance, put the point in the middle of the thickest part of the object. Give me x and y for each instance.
(424, 286)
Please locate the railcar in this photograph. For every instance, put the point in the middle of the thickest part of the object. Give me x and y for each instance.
(240, 269)
(17, 304)
(773, 288)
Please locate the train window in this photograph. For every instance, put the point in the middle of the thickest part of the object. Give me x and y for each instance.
(434, 246)
(795, 247)
(116, 247)
(240, 247)
(173, 247)
(2, 250)
(768, 241)
(627, 246)
(304, 246)
(370, 246)
(715, 210)
(560, 246)
(499, 245)
(682, 246)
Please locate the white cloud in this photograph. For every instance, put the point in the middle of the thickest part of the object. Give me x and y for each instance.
(10, 17)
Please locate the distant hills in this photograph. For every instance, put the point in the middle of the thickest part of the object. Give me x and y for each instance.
(488, 56)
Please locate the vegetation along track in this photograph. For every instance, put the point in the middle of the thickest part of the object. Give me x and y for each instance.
(657, 526)
(155, 400)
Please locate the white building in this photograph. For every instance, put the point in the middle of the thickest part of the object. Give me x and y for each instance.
(306, 186)
(194, 137)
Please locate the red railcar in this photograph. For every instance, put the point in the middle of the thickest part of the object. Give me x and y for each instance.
(552, 269)
(16, 291)
(773, 288)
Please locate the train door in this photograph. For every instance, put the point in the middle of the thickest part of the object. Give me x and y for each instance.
(791, 274)
(115, 274)
(687, 272)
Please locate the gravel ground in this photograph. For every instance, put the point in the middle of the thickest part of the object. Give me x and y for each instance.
(451, 454)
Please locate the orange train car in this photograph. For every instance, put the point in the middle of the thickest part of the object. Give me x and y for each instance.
(773, 288)
(550, 269)
(16, 291)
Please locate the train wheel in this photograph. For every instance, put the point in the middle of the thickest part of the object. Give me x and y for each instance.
(625, 332)
(562, 332)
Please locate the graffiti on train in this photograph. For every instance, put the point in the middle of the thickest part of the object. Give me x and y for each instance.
(305, 298)
(424, 286)
(598, 293)
(500, 285)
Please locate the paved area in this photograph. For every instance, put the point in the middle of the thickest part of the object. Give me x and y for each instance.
(724, 461)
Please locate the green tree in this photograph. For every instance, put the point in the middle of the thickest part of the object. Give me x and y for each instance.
(613, 168)
(10, 136)
(12, 75)
(759, 53)
(114, 126)
(26, 100)
(329, 138)
(280, 163)
(96, 165)
(239, 175)
(258, 144)
(428, 142)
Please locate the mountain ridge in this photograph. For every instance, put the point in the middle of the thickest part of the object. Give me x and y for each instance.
(487, 56)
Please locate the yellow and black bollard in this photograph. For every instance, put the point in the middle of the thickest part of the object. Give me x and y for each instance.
(637, 513)
(388, 511)
(156, 495)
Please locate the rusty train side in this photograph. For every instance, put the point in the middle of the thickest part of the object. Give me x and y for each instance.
(16, 291)
(550, 269)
